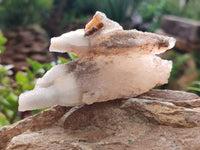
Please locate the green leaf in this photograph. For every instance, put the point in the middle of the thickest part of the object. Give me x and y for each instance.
(12, 99)
(35, 65)
(3, 120)
(2, 40)
(9, 112)
(196, 82)
(3, 70)
(29, 74)
(62, 60)
(21, 78)
(39, 110)
(47, 66)
(72, 56)
(28, 87)
(4, 91)
(194, 89)
(6, 81)
(6, 104)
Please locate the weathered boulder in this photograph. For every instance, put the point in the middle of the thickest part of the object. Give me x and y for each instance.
(185, 31)
(182, 44)
(185, 28)
(158, 119)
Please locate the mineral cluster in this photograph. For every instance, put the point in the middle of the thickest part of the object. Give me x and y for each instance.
(113, 63)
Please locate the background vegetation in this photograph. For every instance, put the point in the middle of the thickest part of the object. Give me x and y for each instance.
(58, 16)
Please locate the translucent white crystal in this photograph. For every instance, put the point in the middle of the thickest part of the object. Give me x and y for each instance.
(114, 63)
(69, 41)
(110, 39)
(62, 91)
(103, 78)
(109, 25)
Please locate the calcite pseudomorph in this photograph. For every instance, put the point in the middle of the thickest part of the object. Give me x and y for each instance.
(114, 63)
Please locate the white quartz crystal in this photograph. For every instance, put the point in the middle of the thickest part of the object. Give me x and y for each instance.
(114, 63)
(70, 40)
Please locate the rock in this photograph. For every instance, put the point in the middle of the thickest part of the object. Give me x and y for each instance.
(186, 29)
(31, 124)
(158, 119)
(169, 111)
(182, 44)
(113, 63)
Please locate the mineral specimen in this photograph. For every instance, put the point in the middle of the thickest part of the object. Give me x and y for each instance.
(114, 63)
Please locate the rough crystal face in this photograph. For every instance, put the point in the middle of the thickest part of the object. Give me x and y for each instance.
(114, 63)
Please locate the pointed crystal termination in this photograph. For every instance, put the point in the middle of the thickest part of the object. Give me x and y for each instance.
(114, 63)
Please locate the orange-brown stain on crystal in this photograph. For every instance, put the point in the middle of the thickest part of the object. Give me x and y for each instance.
(94, 25)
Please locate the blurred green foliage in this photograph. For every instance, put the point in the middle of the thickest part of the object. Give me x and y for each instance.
(194, 87)
(179, 67)
(22, 12)
(179, 62)
(189, 9)
(151, 12)
(11, 88)
(2, 42)
(78, 10)
(8, 97)
(116, 9)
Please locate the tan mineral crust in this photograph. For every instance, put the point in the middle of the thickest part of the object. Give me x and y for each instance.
(114, 64)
